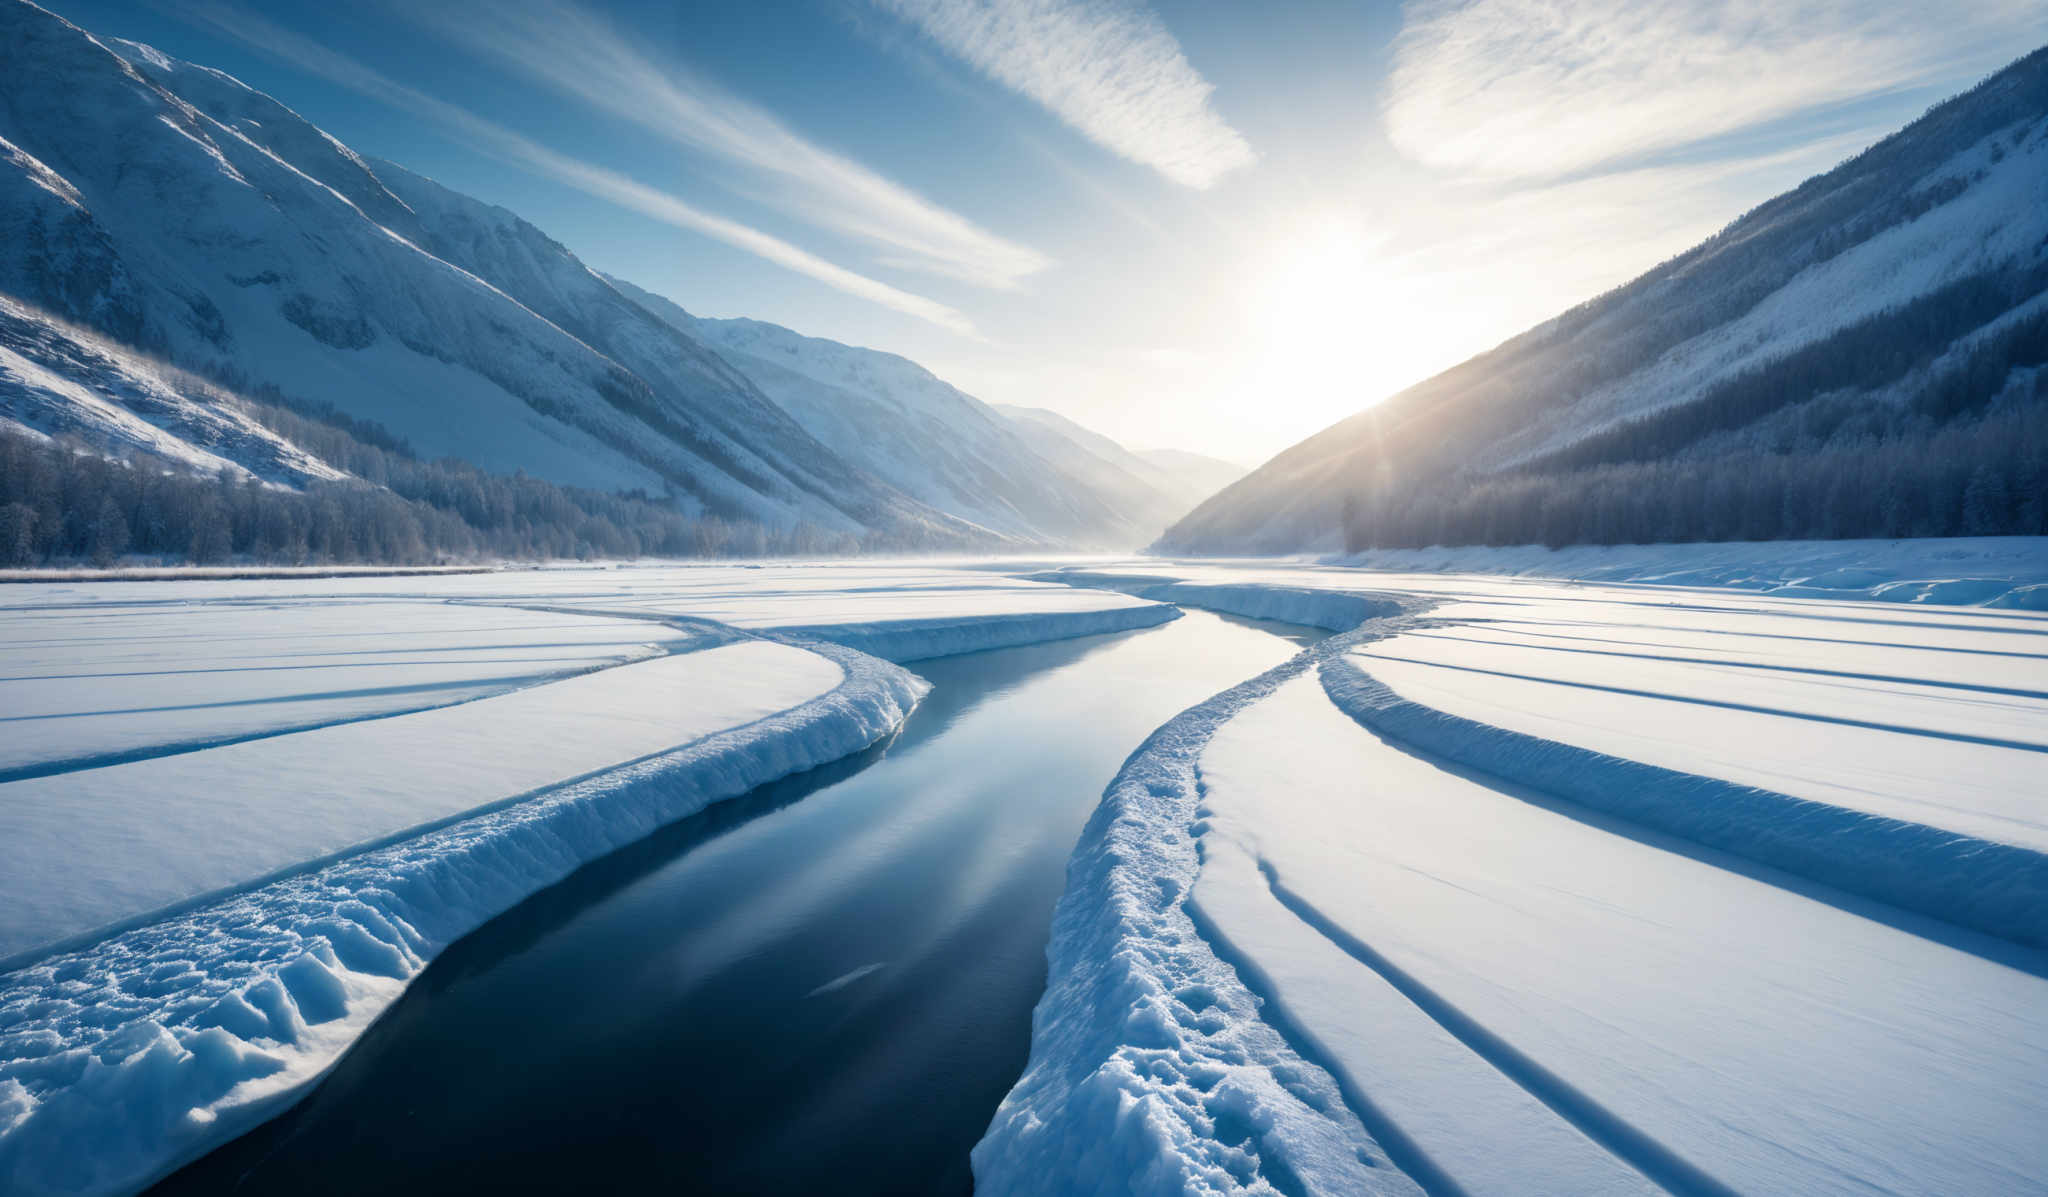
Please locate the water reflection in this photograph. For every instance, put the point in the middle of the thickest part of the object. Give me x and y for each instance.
(825, 995)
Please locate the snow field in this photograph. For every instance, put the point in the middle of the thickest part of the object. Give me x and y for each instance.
(219, 875)
(1510, 988)
(1294, 956)
(1709, 1028)
(125, 1057)
(1895, 754)
(95, 848)
(891, 605)
(122, 676)
(1997, 571)
(1151, 1071)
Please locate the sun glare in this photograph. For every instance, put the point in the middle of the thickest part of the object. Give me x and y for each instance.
(1334, 324)
(1315, 311)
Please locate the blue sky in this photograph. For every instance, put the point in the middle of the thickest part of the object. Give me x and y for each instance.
(1215, 226)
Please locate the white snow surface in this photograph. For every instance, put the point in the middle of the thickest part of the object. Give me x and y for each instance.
(196, 932)
(1995, 571)
(1545, 1004)
(901, 610)
(1999, 219)
(1693, 888)
(125, 675)
(57, 379)
(1959, 755)
(92, 848)
(1718, 887)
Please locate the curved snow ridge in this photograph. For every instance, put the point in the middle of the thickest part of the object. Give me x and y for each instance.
(904, 640)
(124, 1059)
(1998, 889)
(1151, 1069)
(1983, 571)
(1331, 610)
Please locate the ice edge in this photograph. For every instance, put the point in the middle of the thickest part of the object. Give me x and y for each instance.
(128, 1057)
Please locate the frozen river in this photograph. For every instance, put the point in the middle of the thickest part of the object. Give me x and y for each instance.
(824, 986)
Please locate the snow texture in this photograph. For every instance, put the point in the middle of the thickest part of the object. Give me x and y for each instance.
(1151, 1071)
(1599, 959)
(98, 682)
(104, 847)
(892, 417)
(125, 1057)
(1544, 1001)
(205, 907)
(1997, 888)
(171, 207)
(1991, 571)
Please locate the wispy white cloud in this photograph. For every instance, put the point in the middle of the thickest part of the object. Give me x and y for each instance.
(1549, 87)
(1109, 68)
(588, 177)
(580, 54)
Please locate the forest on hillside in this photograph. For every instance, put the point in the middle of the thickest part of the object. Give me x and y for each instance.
(62, 504)
(1895, 426)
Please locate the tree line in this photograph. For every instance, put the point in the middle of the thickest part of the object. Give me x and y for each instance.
(1929, 419)
(61, 503)
(1984, 476)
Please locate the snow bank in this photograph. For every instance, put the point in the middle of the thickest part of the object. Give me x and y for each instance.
(125, 1058)
(1924, 721)
(2000, 889)
(92, 851)
(1994, 571)
(1330, 608)
(1151, 1071)
(125, 676)
(919, 639)
(1532, 995)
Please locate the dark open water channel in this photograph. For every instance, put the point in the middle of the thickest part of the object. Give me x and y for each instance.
(822, 987)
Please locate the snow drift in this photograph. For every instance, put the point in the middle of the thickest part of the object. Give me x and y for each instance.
(1999, 889)
(124, 1058)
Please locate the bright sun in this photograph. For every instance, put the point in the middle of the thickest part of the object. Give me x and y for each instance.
(1333, 326)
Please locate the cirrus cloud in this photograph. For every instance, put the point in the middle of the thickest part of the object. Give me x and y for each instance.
(1110, 69)
(1536, 88)
(490, 137)
(581, 54)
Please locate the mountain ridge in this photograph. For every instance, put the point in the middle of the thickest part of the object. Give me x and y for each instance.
(1958, 198)
(193, 221)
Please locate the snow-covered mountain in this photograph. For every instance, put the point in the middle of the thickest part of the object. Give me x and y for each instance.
(1813, 354)
(900, 422)
(1200, 474)
(162, 224)
(58, 380)
(1156, 491)
(173, 210)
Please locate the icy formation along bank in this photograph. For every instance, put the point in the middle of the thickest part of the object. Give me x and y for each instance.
(1508, 884)
(218, 869)
(1518, 886)
(824, 986)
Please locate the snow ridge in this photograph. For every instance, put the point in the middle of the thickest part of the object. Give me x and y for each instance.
(1998, 889)
(902, 640)
(1330, 610)
(1151, 1070)
(126, 1058)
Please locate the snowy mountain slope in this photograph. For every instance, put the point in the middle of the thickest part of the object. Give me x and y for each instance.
(59, 380)
(172, 208)
(1156, 494)
(1903, 290)
(905, 425)
(1201, 474)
